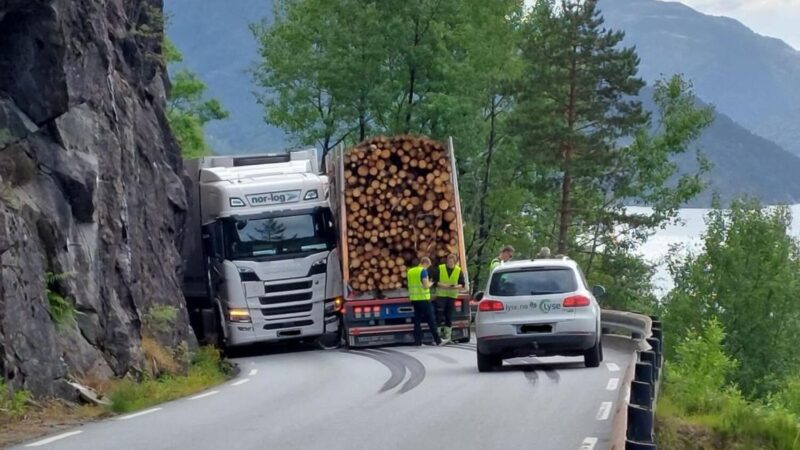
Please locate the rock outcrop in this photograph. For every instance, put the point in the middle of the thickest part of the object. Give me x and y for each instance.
(90, 193)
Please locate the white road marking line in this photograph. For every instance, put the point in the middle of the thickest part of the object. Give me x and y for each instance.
(604, 411)
(241, 382)
(140, 413)
(53, 438)
(253, 372)
(612, 367)
(613, 384)
(207, 394)
(588, 443)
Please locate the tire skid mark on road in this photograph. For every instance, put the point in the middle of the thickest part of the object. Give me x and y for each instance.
(396, 369)
(415, 368)
(531, 375)
(461, 347)
(444, 358)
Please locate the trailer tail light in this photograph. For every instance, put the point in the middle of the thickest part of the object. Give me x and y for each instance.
(358, 311)
(576, 301)
(376, 311)
(458, 304)
(490, 306)
(367, 312)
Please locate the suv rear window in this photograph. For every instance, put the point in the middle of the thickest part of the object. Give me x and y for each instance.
(535, 281)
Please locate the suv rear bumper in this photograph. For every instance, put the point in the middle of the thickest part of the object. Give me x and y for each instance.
(566, 344)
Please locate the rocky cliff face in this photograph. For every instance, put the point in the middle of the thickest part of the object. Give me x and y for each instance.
(89, 189)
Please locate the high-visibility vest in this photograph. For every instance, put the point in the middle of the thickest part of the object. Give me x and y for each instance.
(495, 263)
(451, 279)
(416, 291)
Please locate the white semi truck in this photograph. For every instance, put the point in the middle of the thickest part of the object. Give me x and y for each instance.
(261, 262)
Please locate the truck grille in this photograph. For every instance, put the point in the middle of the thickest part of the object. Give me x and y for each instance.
(287, 310)
(296, 286)
(297, 323)
(285, 298)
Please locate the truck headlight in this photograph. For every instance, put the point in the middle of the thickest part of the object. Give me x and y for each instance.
(240, 315)
(311, 195)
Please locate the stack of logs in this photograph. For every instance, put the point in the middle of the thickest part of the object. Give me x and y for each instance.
(400, 205)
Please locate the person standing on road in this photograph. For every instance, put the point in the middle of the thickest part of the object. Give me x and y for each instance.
(419, 292)
(505, 254)
(450, 281)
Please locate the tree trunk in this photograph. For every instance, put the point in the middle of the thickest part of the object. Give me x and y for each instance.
(566, 155)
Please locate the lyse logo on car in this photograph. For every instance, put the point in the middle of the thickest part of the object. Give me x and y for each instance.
(546, 306)
(271, 198)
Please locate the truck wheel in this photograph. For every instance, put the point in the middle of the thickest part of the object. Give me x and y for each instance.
(329, 341)
(488, 363)
(594, 355)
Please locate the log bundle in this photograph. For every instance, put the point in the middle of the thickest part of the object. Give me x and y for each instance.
(400, 205)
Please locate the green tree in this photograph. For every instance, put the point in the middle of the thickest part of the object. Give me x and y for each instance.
(187, 109)
(747, 275)
(589, 137)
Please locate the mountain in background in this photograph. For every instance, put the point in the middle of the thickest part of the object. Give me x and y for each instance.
(753, 79)
(769, 174)
(216, 43)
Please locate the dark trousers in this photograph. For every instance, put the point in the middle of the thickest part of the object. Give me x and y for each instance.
(444, 311)
(423, 311)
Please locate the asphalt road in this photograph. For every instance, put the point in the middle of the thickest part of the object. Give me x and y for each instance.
(389, 398)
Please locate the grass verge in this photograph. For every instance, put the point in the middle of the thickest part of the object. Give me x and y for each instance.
(22, 420)
(736, 425)
(207, 369)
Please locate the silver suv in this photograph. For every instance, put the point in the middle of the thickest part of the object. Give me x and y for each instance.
(542, 307)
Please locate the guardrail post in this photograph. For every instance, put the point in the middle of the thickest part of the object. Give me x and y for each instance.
(644, 373)
(657, 333)
(656, 345)
(640, 424)
(641, 394)
(650, 357)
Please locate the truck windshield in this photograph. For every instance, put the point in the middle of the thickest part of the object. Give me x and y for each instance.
(274, 236)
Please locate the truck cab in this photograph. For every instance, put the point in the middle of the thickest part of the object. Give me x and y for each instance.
(261, 257)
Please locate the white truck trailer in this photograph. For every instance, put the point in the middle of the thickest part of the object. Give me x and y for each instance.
(261, 262)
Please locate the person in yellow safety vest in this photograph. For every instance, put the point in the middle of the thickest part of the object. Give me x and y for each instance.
(450, 281)
(419, 292)
(505, 254)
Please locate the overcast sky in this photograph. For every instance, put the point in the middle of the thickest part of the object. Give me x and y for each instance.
(775, 18)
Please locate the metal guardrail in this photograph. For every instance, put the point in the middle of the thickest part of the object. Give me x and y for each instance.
(635, 421)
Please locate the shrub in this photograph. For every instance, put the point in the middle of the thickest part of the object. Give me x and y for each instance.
(700, 369)
(13, 404)
(62, 310)
(161, 318)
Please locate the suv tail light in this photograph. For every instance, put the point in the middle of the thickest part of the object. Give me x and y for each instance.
(490, 305)
(576, 301)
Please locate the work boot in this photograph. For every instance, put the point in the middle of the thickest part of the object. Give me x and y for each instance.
(448, 333)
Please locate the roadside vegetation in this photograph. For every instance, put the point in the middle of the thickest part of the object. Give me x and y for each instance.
(207, 369)
(22, 418)
(733, 320)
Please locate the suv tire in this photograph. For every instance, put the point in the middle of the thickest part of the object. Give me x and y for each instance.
(488, 363)
(594, 355)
